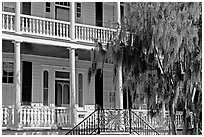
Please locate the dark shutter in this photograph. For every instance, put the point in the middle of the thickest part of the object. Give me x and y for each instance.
(99, 14)
(27, 83)
(26, 8)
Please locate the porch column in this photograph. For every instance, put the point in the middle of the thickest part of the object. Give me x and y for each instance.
(73, 85)
(17, 17)
(17, 69)
(120, 74)
(72, 21)
(17, 83)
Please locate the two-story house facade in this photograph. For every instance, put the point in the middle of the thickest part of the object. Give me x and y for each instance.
(45, 60)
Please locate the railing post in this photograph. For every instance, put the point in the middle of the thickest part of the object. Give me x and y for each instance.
(98, 121)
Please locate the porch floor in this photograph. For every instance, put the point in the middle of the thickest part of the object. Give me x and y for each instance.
(35, 132)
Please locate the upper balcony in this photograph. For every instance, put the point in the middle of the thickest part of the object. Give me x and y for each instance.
(50, 28)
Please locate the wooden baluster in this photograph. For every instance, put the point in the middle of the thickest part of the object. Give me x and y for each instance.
(47, 29)
(77, 32)
(33, 25)
(40, 22)
(37, 26)
(82, 32)
(53, 114)
(60, 29)
(3, 21)
(30, 28)
(49, 117)
(63, 30)
(26, 24)
(57, 29)
(45, 116)
(43, 29)
(54, 23)
(85, 33)
(67, 30)
(11, 22)
(51, 29)
(29, 117)
(7, 21)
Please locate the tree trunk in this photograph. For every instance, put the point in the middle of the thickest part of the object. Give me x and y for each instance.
(172, 117)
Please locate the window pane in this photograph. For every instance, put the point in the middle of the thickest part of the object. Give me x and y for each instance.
(66, 94)
(62, 75)
(45, 79)
(59, 95)
(45, 97)
(4, 80)
(80, 90)
(80, 98)
(80, 82)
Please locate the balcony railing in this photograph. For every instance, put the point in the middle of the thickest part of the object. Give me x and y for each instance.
(55, 28)
(37, 116)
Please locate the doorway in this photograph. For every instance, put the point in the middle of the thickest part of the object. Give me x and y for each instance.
(99, 89)
(62, 93)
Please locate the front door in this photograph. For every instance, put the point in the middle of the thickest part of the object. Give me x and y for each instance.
(62, 93)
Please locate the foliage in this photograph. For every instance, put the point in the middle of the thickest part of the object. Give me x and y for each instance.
(160, 47)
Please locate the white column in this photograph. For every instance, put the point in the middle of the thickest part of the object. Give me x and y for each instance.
(17, 83)
(72, 21)
(120, 74)
(118, 12)
(17, 17)
(73, 85)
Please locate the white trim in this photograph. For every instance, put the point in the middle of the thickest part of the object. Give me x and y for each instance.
(46, 42)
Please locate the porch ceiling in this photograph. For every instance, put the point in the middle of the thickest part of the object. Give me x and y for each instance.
(45, 50)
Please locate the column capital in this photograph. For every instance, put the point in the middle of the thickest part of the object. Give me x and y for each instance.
(16, 41)
(71, 48)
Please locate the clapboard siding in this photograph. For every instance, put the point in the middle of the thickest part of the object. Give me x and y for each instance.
(38, 9)
(8, 94)
(108, 15)
(88, 13)
(37, 82)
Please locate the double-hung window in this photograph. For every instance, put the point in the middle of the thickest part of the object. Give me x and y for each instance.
(8, 72)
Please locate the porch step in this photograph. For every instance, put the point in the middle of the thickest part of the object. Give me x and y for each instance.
(114, 133)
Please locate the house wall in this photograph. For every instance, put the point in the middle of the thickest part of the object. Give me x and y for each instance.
(39, 64)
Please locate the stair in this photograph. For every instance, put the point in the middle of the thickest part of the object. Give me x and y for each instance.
(114, 133)
(113, 122)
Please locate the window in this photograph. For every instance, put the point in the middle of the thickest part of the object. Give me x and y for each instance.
(47, 7)
(8, 72)
(45, 88)
(112, 99)
(8, 6)
(64, 75)
(80, 90)
(78, 10)
(62, 4)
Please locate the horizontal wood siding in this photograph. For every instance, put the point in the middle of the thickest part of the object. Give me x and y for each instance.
(88, 13)
(8, 94)
(108, 15)
(37, 82)
(38, 9)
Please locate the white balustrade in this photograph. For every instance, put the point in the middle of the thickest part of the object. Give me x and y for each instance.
(88, 33)
(8, 21)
